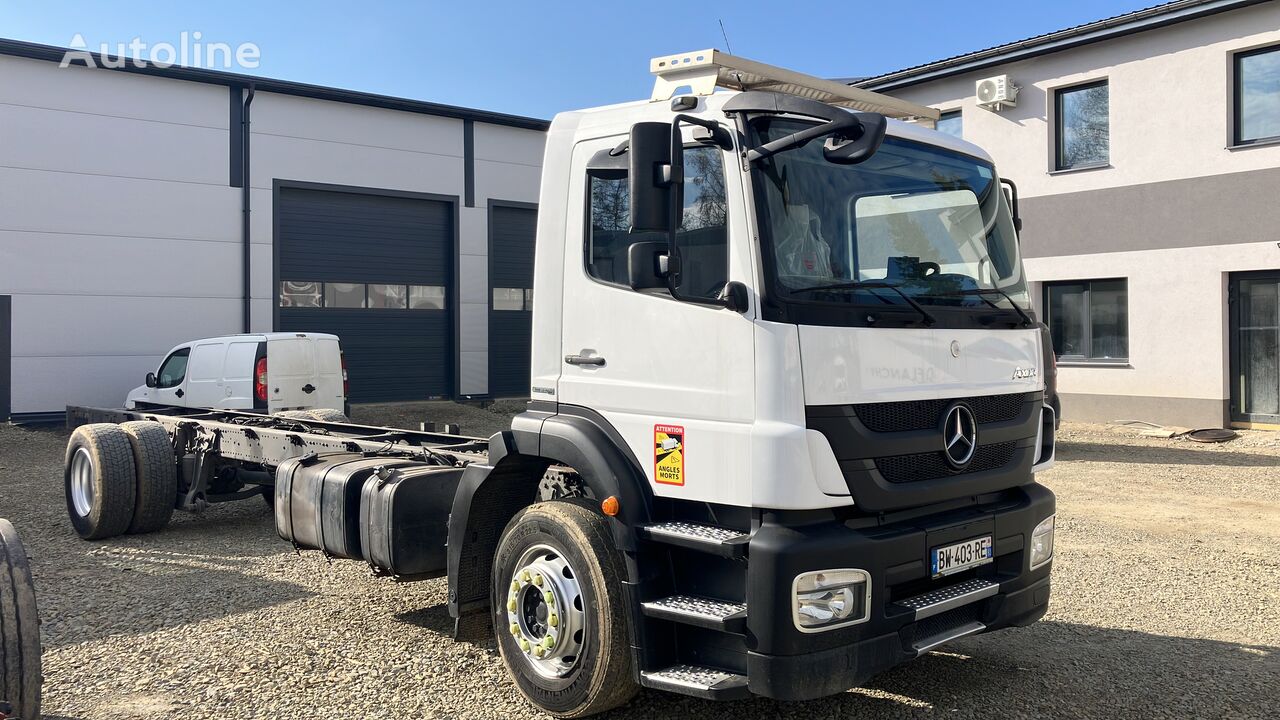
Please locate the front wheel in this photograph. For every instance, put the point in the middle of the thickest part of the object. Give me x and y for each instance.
(559, 611)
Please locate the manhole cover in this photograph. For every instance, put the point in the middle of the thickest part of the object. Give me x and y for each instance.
(1211, 435)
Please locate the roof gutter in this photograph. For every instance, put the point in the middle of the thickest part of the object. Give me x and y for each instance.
(1120, 26)
(52, 53)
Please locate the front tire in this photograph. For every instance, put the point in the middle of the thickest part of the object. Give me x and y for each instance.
(559, 610)
(19, 629)
(99, 480)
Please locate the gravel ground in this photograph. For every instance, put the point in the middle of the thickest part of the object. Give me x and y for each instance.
(1165, 605)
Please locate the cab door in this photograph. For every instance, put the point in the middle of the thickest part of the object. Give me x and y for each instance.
(171, 379)
(674, 378)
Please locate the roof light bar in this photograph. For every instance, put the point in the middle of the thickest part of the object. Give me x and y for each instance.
(705, 70)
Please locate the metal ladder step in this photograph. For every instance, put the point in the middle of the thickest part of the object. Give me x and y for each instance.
(706, 538)
(941, 600)
(925, 644)
(699, 681)
(700, 611)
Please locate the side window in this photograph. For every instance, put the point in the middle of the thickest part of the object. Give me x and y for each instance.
(703, 238)
(174, 369)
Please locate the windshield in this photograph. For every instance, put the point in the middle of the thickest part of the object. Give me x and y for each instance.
(931, 222)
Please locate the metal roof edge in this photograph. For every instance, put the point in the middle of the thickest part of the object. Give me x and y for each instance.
(52, 53)
(1107, 29)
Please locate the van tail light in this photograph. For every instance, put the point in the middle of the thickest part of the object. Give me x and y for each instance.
(260, 379)
(345, 384)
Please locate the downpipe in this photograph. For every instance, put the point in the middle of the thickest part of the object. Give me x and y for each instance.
(245, 210)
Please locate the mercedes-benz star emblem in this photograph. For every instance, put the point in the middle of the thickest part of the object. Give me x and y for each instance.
(959, 435)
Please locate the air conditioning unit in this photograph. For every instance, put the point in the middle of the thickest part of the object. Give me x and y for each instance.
(996, 93)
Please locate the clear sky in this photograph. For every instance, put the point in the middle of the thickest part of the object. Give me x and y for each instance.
(536, 58)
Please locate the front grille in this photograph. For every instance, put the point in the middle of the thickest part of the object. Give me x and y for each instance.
(927, 414)
(931, 465)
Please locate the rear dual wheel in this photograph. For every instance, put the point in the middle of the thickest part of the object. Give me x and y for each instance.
(559, 611)
(119, 478)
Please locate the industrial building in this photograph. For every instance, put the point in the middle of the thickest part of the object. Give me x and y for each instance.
(142, 207)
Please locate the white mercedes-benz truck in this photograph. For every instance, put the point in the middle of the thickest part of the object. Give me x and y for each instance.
(787, 411)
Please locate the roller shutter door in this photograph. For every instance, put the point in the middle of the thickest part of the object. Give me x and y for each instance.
(377, 271)
(510, 304)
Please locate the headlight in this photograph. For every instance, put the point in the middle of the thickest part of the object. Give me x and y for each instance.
(826, 599)
(1042, 543)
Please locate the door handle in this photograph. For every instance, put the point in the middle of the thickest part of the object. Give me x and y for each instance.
(179, 393)
(584, 360)
(308, 388)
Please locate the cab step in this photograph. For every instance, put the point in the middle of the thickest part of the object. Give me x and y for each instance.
(936, 602)
(702, 612)
(699, 681)
(721, 541)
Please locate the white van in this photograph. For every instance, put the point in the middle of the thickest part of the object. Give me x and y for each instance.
(267, 372)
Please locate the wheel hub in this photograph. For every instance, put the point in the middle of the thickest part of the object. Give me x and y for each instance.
(82, 482)
(544, 611)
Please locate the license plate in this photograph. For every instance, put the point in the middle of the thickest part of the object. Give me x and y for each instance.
(961, 556)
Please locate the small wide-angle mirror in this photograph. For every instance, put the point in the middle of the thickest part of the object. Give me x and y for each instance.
(645, 265)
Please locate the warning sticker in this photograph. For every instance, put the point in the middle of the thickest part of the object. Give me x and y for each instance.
(668, 454)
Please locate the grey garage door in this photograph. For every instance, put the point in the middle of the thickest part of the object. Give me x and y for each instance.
(511, 232)
(377, 271)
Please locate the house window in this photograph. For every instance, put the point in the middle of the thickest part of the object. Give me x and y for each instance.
(512, 299)
(1083, 127)
(344, 295)
(951, 123)
(1257, 96)
(1088, 320)
(376, 296)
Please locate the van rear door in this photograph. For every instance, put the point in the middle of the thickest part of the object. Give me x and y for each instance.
(291, 373)
(329, 386)
(303, 372)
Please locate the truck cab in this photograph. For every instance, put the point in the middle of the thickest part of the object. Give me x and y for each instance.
(267, 372)
(802, 333)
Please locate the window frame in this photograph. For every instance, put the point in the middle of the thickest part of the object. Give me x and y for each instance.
(954, 112)
(184, 352)
(1057, 99)
(1087, 311)
(324, 304)
(1237, 97)
(588, 227)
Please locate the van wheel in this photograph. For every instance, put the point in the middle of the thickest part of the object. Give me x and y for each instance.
(328, 415)
(157, 487)
(99, 480)
(19, 629)
(559, 612)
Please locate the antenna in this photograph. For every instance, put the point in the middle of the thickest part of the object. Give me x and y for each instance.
(725, 35)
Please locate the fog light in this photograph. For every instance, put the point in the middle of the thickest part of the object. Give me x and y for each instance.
(828, 599)
(1042, 543)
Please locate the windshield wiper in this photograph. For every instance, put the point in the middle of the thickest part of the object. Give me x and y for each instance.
(983, 292)
(925, 316)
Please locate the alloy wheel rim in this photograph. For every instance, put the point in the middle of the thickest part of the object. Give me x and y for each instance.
(82, 490)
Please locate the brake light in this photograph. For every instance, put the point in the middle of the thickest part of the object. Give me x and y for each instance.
(260, 379)
(345, 384)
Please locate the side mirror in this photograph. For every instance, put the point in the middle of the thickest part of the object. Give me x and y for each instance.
(151, 380)
(735, 297)
(1011, 194)
(651, 176)
(647, 265)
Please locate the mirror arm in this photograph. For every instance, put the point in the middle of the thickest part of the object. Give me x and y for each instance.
(1013, 203)
(848, 126)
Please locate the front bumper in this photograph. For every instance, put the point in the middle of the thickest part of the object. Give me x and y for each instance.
(787, 664)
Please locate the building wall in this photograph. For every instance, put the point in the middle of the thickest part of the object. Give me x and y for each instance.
(120, 232)
(1174, 212)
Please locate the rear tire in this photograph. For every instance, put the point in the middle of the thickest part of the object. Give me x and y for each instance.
(19, 629)
(100, 481)
(157, 487)
(578, 662)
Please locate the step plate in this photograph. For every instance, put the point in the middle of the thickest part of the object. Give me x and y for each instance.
(707, 538)
(698, 681)
(700, 611)
(941, 600)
